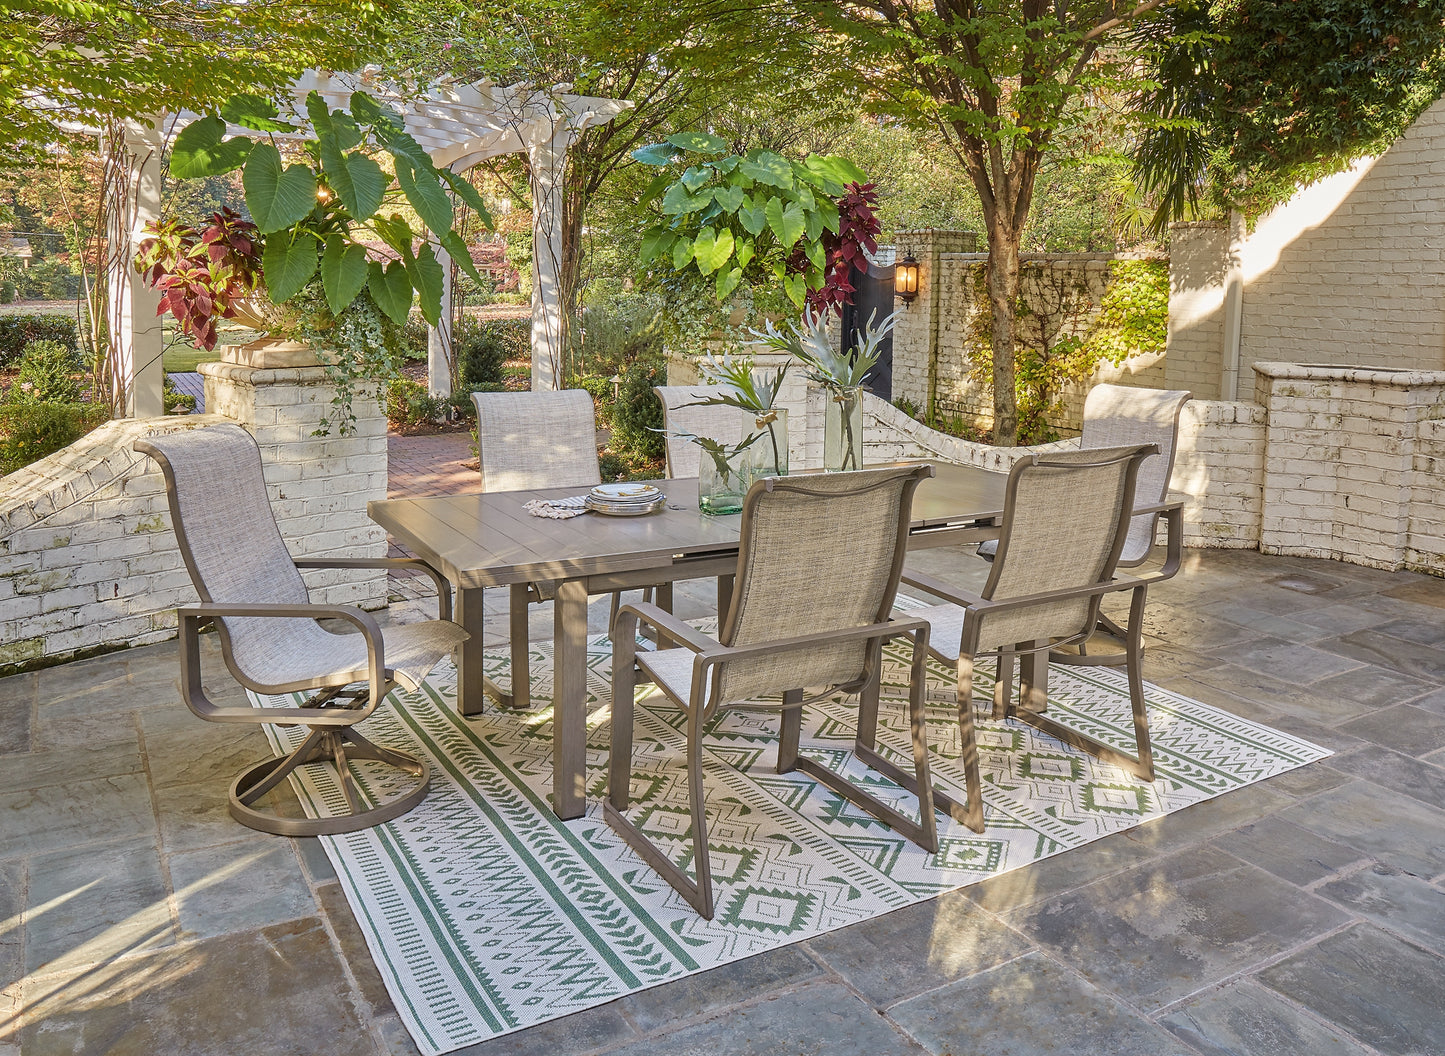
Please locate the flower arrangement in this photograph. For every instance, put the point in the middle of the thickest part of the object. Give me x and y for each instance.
(752, 391)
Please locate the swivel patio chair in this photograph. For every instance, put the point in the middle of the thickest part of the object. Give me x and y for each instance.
(724, 423)
(529, 441)
(252, 591)
(810, 615)
(1066, 518)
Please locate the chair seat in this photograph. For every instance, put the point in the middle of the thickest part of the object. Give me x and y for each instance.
(945, 623)
(315, 656)
(671, 669)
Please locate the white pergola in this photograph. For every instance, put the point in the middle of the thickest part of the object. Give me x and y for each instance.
(458, 124)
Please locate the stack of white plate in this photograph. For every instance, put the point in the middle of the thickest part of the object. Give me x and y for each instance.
(629, 499)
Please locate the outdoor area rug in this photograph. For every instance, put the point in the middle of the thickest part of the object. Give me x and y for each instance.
(486, 914)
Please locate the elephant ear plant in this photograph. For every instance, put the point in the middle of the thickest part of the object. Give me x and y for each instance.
(315, 209)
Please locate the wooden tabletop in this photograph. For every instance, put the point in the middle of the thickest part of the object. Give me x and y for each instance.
(487, 540)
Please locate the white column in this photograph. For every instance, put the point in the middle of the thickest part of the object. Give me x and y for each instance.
(1233, 306)
(439, 348)
(137, 339)
(547, 162)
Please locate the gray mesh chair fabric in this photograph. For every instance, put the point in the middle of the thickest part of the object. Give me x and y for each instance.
(818, 570)
(727, 424)
(1118, 415)
(536, 439)
(1066, 518)
(252, 590)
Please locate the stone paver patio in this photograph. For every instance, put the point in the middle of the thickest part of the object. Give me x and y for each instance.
(1303, 914)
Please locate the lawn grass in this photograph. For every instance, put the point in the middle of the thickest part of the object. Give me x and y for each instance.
(181, 356)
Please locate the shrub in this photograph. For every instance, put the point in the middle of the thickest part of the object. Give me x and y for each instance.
(482, 347)
(174, 399)
(409, 405)
(610, 336)
(30, 431)
(7, 292)
(637, 413)
(415, 336)
(17, 331)
(45, 374)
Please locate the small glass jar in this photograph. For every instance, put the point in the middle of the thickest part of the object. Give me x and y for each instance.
(721, 485)
(843, 430)
(770, 450)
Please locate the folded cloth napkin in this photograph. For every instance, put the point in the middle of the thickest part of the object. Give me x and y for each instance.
(557, 509)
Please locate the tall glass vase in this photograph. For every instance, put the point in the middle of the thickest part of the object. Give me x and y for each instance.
(843, 430)
(770, 450)
(722, 483)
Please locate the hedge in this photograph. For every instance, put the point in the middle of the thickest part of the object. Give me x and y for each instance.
(17, 331)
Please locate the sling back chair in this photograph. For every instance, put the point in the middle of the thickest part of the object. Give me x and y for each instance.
(529, 441)
(681, 415)
(252, 591)
(816, 577)
(1066, 517)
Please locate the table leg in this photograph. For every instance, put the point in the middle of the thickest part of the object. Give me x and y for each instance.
(471, 677)
(1034, 681)
(521, 695)
(569, 699)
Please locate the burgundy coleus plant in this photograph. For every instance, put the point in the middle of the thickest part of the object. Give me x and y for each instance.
(857, 236)
(201, 273)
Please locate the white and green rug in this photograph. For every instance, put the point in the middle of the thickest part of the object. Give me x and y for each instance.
(486, 914)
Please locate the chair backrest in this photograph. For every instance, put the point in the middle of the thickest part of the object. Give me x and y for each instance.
(1119, 415)
(537, 439)
(727, 424)
(228, 536)
(821, 552)
(1066, 515)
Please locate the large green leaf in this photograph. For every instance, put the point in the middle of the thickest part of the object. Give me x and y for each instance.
(288, 262)
(677, 200)
(837, 171)
(460, 254)
(369, 112)
(470, 196)
(695, 177)
(277, 197)
(357, 180)
(796, 287)
(767, 167)
(816, 256)
(753, 218)
(813, 225)
(699, 142)
(730, 198)
(255, 112)
(426, 274)
(787, 223)
(727, 281)
(199, 150)
(745, 251)
(712, 249)
(394, 231)
(424, 191)
(656, 241)
(390, 288)
(656, 154)
(681, 252)
(343, 272)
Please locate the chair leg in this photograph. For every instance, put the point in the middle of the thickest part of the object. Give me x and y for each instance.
(701, 862)
(790, 730)
(867, 736)
(1003, 688)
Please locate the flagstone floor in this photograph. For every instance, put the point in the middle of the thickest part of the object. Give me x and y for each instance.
(1305, 914)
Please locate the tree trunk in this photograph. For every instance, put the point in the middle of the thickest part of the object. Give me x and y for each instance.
(1003, 290)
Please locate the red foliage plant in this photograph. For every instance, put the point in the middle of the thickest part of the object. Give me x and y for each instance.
(201, 273)
(857, 236)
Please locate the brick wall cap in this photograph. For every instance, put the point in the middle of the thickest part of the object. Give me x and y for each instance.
(1387, 376)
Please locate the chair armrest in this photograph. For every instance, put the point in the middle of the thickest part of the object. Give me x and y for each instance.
(685, 635)
(890, 629)
(191, 616)
(938, 588)
(444, 588)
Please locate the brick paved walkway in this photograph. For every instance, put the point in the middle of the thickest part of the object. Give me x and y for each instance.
(430, 465)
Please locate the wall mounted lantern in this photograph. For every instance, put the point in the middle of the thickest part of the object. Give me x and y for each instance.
(905, 278)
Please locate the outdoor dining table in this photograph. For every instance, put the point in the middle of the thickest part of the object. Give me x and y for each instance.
(489, 540)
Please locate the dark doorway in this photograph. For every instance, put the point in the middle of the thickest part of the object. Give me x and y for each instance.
(874, 298)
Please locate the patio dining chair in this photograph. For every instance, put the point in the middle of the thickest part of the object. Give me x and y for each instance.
(251, 590)
(808, 619)
(1067, 515)
(527, 441)
(728, 424)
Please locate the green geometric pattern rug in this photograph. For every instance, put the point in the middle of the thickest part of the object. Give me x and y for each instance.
(486, 914)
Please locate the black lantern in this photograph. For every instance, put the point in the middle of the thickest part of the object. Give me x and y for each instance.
(905, 278)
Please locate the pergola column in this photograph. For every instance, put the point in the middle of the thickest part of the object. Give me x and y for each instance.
(136, 332)
(440, 351)
(547, 163)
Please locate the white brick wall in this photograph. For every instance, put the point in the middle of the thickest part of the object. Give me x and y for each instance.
(88, 561)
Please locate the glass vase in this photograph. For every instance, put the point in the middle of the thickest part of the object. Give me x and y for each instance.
(770, 450)
(843, 430)
(722, 483)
